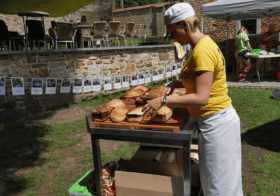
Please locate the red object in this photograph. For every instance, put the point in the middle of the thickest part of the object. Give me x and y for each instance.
(113, 188)
(275, 75)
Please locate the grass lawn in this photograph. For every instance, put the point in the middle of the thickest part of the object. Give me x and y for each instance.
(42, 149)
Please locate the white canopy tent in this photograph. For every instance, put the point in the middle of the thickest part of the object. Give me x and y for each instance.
(232, 10)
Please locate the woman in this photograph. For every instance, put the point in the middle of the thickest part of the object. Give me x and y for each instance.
(204, 78)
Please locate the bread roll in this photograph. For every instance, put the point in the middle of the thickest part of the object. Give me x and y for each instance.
(102, 109)
(134, 93)
(160, 88)
(118, 114)
(115, 102)
(144, 88)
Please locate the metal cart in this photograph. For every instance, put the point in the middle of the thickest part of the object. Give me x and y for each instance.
(180, 139)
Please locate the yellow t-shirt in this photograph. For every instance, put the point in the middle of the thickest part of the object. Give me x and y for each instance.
(207, 56)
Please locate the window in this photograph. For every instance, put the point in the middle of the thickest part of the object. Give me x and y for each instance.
(251, 25)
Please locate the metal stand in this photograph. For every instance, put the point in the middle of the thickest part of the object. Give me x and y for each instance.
(180, 139)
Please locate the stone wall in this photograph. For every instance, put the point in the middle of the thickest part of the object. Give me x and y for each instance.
(89, 64)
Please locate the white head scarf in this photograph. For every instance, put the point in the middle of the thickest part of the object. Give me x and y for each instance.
(178, 12)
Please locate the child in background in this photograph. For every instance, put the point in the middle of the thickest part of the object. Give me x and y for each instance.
(244, 47)
(236, 55)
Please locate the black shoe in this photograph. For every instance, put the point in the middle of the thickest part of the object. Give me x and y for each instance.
(255, 76)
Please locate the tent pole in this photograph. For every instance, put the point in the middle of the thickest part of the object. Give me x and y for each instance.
(227, 43)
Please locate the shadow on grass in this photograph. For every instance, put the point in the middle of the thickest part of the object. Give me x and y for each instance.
(21, 148)
(265, 136)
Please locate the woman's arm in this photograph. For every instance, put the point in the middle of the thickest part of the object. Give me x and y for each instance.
(170, 88)
(200, 98)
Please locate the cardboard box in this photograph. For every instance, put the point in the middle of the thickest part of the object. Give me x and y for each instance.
(137, 184)
(148, 153)
(154, 178)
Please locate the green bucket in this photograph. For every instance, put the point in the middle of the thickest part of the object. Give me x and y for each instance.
(256, 51)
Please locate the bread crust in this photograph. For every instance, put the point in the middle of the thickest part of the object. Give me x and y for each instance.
(115, 102)
(134, 93)
(118, 114)
(164, 110)
(136, 111)
(144, 88)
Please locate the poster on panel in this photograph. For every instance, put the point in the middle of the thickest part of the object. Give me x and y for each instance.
(87, 85)
(134, 79)
(65, 85)
(107, 83)
(37, 86)
(96, 84)
(2, 85)
(51, 85)
(125, 81)
(141, 79)
(147, 77)
(17, 86)
(78, 85)
(117, 82)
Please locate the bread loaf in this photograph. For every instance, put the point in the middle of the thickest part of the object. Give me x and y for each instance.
(135, 114)
(136, 111)
(102, 109)
(134, 93)
(118, 114)
(115, 102)
(164, 110)
(163, 114)
(144, 88)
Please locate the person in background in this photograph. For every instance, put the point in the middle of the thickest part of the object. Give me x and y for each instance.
(207, 101)
(244, 47)
(268, 40)
(83, 21)
(236, 56)
(84, 32)
(52, 29)
(103, 18)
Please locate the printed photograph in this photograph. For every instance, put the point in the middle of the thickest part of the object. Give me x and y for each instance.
(178, 65)
(2, 81)
(96, 81)
(134, 76)
(108, 80)
(37, 82)
(66, 82)
(160, 71)
(51, 82)
(173, 67)
(168, 69)
(78, 82)
(117, 79)
(141, 75)
(125, 78)
(147, 74)
(17, 82)
(155, 72)
(87, 82)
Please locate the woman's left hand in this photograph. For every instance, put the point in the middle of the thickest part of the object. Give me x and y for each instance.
(151, 108)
